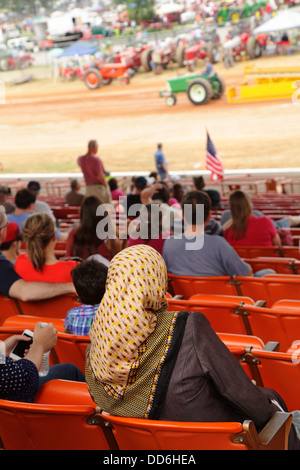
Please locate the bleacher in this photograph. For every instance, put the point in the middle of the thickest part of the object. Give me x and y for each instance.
(257, 318)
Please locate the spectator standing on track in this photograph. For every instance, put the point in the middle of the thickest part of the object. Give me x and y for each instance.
(161, 163)
(94, 173)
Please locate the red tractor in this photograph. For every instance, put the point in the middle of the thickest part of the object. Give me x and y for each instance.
(19, 61)
(240, 41)
(163, 55)
(200, 50)
(189, 51)
(103, 73)
(135, 57)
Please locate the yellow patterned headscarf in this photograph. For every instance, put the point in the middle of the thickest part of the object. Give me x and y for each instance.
(135, 293)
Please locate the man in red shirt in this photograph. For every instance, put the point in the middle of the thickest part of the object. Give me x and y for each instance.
(94, 173)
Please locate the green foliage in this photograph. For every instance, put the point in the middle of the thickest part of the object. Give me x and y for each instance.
(25, 6)
(139, 10)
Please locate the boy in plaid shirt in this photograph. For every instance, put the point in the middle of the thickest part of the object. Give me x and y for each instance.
(89, 278)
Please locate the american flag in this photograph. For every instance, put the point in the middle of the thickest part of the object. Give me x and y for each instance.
(213, 161)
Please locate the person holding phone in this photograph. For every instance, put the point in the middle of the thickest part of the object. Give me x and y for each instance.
(19, 379)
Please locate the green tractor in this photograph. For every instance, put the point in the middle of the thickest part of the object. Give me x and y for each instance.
(234, 14)
(200, 89)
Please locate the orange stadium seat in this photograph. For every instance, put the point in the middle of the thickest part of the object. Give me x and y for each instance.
(226, 316)
(56, 307)
(278, 323)
(8, 307)
(279, 265)
(189, 285)
(63, 417)
(71, 348)
(287, 304)
(267, 251)
(271, 288)
(276, 370)
(27, 321)
(144, 434)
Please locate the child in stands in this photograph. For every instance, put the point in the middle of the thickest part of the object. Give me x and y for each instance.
(89, 279)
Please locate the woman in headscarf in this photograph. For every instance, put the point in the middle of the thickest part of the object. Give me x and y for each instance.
(146, 362)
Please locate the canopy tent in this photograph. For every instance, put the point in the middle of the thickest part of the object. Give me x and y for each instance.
(169, 8)
(81, 48)
(80, 52)
(283, 21)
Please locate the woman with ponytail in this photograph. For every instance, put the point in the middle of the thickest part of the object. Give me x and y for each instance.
(40, 262)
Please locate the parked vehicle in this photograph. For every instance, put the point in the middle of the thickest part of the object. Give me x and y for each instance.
(163, 55)
(240, 41)
(191, 49)
(232, 12)
(11, 60)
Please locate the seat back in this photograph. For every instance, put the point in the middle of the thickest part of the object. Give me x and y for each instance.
(71, 348)
(289, 321)
(277, 370)
(282, 287)
(144, 434)
(253, 287)
(29, 322)
(8, 307)
(56, 307)
(67, 421)
(224, 315)
(269, 251)
(279, 265)
(189, 285)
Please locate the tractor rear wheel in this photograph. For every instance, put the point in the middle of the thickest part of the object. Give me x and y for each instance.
(221, 90)
(180, 55)
(253, 48)
(199, 91)
(146, 59)
(213, 53)
(92, 78)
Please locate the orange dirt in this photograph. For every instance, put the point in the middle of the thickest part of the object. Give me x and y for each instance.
(44, 126)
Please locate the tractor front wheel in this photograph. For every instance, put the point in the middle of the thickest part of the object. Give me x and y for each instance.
(92, 78)
(199, 91)
(4, 65)
(171, 100)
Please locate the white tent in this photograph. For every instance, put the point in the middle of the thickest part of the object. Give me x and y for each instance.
(169, 8)
(283, 21)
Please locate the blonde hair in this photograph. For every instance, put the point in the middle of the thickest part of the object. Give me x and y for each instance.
(38, 231)
(2, 216)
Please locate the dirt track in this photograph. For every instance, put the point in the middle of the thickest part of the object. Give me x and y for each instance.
(45, 126)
